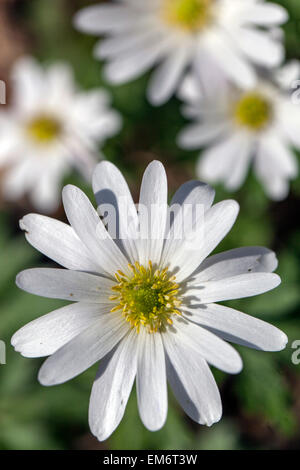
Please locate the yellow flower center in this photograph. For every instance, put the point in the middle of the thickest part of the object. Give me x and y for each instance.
(44, 129)
(191, 15)
(253, 111)
(146, 297)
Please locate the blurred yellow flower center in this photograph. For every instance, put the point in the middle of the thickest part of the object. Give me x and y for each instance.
(44, 129)
(190, 15)
(253, 111)
(146, 297)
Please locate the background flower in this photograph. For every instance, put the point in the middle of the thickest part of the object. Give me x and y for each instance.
(49, 127)
(175, 34)
(238, 127)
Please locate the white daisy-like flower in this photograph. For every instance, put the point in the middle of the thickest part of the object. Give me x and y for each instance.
(176, 34)
(146, 306)
(50, 127)
(238, 127)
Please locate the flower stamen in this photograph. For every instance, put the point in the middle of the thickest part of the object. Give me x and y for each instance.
(146, 297)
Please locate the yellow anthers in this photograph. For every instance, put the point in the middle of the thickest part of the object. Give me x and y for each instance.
(253, 111)
(190, 15)
(146, 298)
(44, 129)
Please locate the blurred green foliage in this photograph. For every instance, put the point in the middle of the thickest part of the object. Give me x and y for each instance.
(261, 405)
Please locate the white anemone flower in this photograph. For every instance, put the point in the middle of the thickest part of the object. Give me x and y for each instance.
(176, 34)
(50, 127)
(146, 306)
(238, 127)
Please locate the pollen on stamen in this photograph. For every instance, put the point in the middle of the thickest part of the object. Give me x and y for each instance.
(146, 298)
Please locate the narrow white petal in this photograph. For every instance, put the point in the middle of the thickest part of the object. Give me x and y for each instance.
(275, 154)
(236, 287)
(275, 164)
(243, 260)
(194, 192)
(196, 135)
(98, 19)
(260, 47)
(112, 387)
(218, 220)
(151, 381)
(84, 350)
(90, 229)
(58, 241)
(165, 79)
(226, 160)
(44, 336)
(210, 347)
(267, 14)
(189, 203)
(238, 327)
(192, 382)
(286, 75)
(231, 61)
(65, 284)
(190, 90)
(121, 70)
(153, 210)
(111, 190)
(114, 46)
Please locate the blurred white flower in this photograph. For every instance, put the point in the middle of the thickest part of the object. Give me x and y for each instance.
(50, 127)
(146, 307)
(175, 34)
(259, 125)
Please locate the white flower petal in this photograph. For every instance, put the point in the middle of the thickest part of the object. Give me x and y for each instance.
(238, 170)
(210, 347)
(231, 61)
(99, 19)
(236, 287)
(165, 79)
(28, 83)
(90, 229)
(260, 47)
(113, 47)
(237, 261)
(286, 75)
(196, 135)
(58, 241)
(194, 192)
(129, 67)
(192, 382)
(110, 188)
(189, 89)
(275, 154)
(238, 327)
(151, 381)
(153, 210)
(44, 336)
(218, 220)
(226, 160)
(84, 350)
(65, 284)
(112, 387)
(275, 164)
(265, 14)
